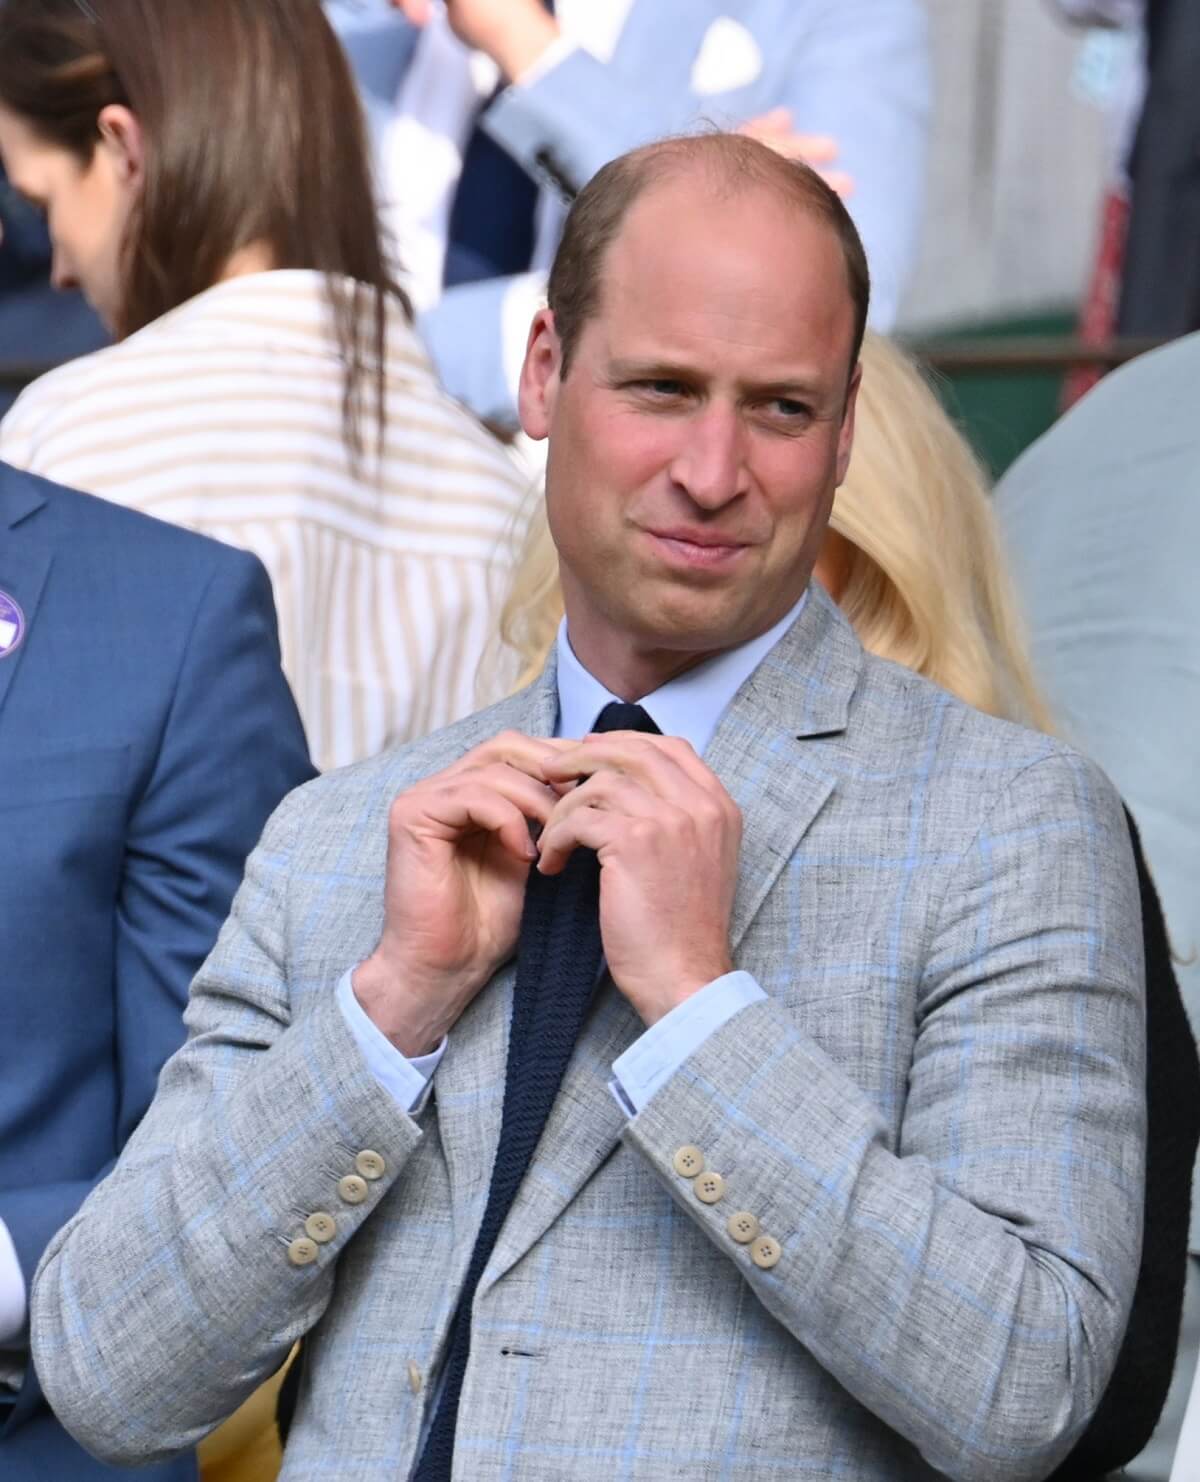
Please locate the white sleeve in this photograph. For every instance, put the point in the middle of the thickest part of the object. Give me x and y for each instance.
(13, 1297)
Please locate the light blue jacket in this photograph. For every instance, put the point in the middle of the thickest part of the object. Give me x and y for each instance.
(854, 69)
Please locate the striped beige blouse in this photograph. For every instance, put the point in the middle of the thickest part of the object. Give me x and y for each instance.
(226, 416)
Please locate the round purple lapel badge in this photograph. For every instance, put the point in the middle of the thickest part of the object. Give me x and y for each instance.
(12, 625)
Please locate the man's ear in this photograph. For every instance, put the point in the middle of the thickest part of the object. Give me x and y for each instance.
(122, 140)
(541, 376)
(846, 435)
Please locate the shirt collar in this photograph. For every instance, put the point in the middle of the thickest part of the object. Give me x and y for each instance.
(690, 706)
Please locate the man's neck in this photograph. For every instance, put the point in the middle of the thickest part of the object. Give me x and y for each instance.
(628, 672)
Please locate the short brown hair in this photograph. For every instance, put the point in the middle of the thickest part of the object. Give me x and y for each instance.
(735, 163)
(254, 134)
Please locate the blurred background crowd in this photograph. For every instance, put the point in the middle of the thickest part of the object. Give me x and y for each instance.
(270, 280)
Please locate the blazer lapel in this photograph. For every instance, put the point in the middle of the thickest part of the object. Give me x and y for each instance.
(801, 691)
(24, 562)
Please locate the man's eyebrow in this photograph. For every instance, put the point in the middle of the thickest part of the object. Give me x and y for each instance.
(651, 369)
(787, 390)
(803, 387)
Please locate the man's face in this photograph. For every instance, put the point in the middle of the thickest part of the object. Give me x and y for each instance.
(704, 425)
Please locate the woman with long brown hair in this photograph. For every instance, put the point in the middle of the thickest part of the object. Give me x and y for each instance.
(205, 175)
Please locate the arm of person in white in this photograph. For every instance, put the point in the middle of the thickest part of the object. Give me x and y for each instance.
(654, 1058)
(405, 1080)
(12, 1289)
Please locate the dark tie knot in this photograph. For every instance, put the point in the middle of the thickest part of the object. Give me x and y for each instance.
(618, 716)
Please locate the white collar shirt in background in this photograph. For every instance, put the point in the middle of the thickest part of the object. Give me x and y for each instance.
(421, 148)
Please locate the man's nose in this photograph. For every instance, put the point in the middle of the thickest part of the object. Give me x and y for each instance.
(711, 465)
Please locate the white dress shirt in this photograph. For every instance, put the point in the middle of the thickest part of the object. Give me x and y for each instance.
(12, 1306)
(690, 706)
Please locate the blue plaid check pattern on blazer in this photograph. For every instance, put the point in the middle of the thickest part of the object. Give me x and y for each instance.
(937, 1113)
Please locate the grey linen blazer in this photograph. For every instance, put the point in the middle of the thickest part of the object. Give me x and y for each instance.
(938, 1113)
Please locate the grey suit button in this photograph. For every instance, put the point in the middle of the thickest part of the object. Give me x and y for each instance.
(688, 1161)
(709, 1187)
(415, 1377)
(352, 1189)
(765, 1252)
(743, 1227)
(370, 1165)
(320, 1227)
(302, 1251)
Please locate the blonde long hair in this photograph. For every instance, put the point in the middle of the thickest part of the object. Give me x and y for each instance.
(926, 584)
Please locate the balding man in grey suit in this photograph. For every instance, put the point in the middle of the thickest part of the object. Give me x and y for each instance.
(798, 1129)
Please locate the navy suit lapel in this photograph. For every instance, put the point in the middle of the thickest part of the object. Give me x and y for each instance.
(25, 562)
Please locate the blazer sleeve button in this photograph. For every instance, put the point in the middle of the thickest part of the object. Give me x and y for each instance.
(302, 1251)
(352, 1189)
(743, 1227)
(370, 1165)
(765, 1252)
(709, 1187)
(320, 1227)
(688, 1161)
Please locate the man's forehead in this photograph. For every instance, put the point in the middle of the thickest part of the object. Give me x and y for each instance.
(727, 304)
(686, 251)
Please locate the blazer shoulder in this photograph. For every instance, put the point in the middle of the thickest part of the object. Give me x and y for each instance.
(926, 727)
(88, 523)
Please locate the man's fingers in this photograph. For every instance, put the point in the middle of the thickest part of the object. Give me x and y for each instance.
(478, 808)
(838, 181)
(586, 828)
(448, 808)
(665, 764)
(416, 11)
(613, 792)
(524, 753)
(772, 119)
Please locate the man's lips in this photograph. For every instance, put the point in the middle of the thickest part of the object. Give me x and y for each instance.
(702, 549)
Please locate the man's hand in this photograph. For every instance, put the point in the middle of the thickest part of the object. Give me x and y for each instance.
(514, 33)
(667, 835)
(776, 131)
(459, 853)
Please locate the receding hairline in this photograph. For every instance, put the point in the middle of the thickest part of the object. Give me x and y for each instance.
(727, 166)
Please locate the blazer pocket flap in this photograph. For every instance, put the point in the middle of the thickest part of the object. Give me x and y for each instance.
(62, 776)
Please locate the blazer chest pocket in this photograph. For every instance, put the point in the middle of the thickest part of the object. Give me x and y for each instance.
(63, 776)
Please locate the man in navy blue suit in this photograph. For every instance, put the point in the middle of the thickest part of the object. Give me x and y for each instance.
(146, 732)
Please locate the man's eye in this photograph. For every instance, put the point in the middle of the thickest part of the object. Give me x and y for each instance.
(789, 409)
(661, 388)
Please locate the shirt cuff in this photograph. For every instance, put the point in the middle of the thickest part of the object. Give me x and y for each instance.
(406, 1080)
(655, 1056)
(558, 51)
(13, 1302)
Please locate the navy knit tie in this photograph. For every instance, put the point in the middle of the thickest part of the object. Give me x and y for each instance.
(558, 963)
(493, 217)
